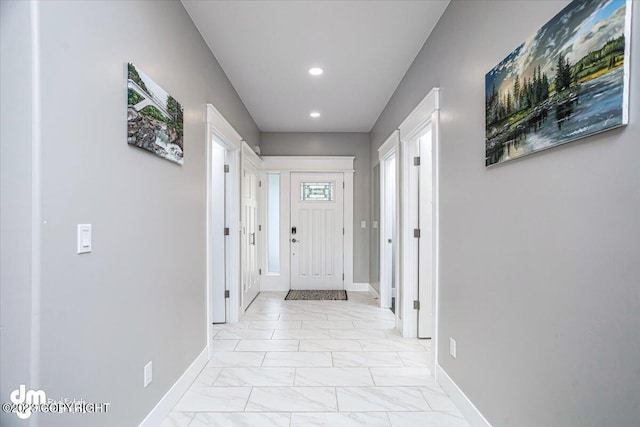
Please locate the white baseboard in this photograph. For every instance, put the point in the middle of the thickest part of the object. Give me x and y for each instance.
(462, 402)
(357, 287)
(274, 287)
(171, 398)
(374, 291)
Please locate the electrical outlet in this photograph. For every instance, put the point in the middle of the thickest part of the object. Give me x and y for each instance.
(452, 347)
(148, 373)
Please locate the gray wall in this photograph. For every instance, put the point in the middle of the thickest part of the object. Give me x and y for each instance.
(15, 200)
(335, 144)
(540, 279)
(140, 296)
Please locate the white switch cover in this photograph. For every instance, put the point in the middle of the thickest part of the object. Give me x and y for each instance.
(452, 347)
(84, 238)
(363, 224)
(148, 373)
(375, 224)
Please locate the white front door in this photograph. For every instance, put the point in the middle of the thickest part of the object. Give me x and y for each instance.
(317, 231)
(250, 274)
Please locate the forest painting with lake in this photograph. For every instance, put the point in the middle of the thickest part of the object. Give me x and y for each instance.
(567, 81)
(154, 118)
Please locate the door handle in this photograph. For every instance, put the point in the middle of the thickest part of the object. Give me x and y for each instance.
(293, 240)
(253, 239)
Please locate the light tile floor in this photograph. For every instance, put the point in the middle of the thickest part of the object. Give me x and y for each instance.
(315, 363)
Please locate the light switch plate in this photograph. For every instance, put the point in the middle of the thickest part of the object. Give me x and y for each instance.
(84, 238)
(148, 373)
(375, 224)
(363, 224)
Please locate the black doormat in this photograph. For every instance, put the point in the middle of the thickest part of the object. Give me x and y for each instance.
(306, 295)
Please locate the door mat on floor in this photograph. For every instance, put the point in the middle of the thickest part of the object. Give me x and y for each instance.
(306, 295)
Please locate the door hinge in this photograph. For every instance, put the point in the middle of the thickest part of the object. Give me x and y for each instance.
(343, 231)
(416, 161)
(226, 168)
(416, 305)
(259, 228)
(226, 294)
(259, 183)
(260, 272)
(226, 231)
(416, 233)
(342, 184)
(343, 277)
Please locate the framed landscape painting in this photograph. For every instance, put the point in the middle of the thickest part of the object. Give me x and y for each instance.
(154, 118)
(569, 80)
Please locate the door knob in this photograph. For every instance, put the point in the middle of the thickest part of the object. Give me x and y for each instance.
(293, 240)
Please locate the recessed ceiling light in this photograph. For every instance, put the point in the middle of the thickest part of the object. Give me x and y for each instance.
(314, 114)
(315, 71)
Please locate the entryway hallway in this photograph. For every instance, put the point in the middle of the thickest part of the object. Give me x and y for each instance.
(316, 363)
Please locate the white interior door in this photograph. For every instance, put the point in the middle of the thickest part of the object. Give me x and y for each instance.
(425, 244)
(217, 250)
(250, 273)
(317, 231)
(389, 235)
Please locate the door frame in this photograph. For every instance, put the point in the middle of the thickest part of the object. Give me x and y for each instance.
(387, 150)
(426, 114)
(225, 136)
(285, 165)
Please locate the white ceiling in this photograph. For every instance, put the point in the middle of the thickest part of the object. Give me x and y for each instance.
(267, 47)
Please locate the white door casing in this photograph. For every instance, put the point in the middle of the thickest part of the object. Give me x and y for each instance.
(223, 146)
(317, 231)
(420, 131)
(286, 166)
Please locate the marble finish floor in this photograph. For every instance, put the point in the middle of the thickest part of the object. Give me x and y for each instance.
(315, 363)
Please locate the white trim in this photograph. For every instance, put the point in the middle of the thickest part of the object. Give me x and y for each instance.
(347, 264)
(390, 144)
(435, 159)
(222, 128)
(373, 291)
(274, 284)
(250, 156)
(424, 115)
(36, 202)
(217, 125)
(463, 403)
(409, 262)
(416, 118)
(357, 287)
(308, 163)
(172, 397)
(232, 219)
